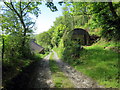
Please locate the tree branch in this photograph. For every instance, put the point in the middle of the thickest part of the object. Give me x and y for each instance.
(26, 6)
(15, 10)
(112, 9)
(20, 9)
(25, 14)
(8, 6)
(31, 26)
(22, 22)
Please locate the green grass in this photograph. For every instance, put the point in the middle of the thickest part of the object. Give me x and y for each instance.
(101, 65)
(59, 51)
(98, 63)
(59, 79)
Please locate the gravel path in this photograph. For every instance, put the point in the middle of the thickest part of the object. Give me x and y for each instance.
(42, 76)
(78, 79)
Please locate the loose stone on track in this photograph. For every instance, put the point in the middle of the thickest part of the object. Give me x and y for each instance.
(42, 76)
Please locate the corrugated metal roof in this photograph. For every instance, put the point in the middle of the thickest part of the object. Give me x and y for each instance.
(35, 47)
(78, 31)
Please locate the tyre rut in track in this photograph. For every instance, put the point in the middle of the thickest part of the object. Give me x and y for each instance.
(42, 75)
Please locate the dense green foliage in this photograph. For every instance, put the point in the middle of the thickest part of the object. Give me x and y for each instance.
(107, 18)
(53, 36)
(17, 27)
(44, 39)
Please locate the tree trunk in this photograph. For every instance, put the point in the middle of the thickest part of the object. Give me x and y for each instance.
(3, 46)
(112, 10)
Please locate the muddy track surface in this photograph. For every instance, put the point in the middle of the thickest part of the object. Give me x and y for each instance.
(41, 78)
(77, 78)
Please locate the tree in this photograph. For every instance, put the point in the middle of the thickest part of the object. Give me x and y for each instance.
(105, 15)
(17, 23)
(44, 39)
(22, 11)
(97, 15)
(58, 34)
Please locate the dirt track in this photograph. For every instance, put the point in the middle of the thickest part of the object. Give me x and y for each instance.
(42, 76)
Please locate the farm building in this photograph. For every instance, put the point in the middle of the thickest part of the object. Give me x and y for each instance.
(35, 47)
(78, 35)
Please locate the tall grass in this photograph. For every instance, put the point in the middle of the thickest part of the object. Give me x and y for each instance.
(97, 62)
(100, 64)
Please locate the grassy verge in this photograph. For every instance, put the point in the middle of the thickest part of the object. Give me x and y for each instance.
(99, 63)
(59, 79)
(18, 71)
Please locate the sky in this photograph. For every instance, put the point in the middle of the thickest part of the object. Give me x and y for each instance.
(46, 18)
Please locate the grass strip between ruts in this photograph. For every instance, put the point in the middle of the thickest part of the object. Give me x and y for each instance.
(58, 77)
